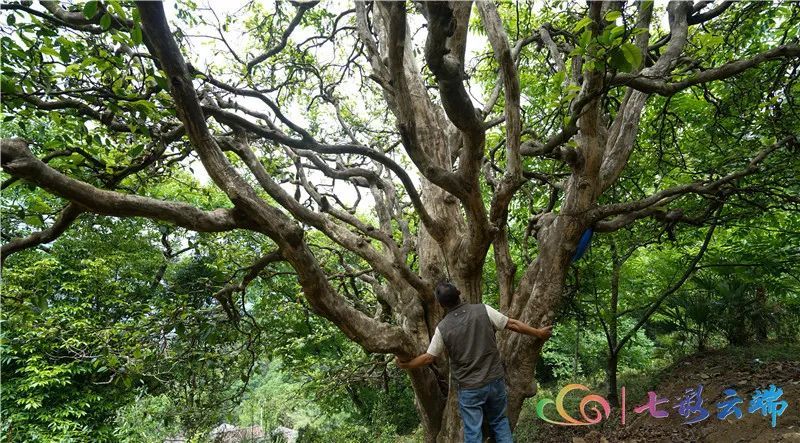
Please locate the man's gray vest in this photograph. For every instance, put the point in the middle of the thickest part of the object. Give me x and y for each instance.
(468, 336)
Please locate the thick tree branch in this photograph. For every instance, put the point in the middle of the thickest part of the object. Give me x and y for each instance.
(448, 69)
(46, 159)
(406, 114)
(495, 95)
(627, 218)
(653, 84)
(358, 245)
(554, 51)
(380, 70)
(373, 335)
(666, 195)
(18, 161)
(623, 131)
(698, 17)
(68, 215)
(508, 72)
(310, 144)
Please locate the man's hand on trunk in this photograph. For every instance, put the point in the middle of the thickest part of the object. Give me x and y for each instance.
(522, 328)
(545, 333)
(417, 362)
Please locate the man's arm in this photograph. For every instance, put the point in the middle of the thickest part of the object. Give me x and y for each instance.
(417, 362)
(522, 328)
(435, 349)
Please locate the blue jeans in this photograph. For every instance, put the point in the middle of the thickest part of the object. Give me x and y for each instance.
(489, 400)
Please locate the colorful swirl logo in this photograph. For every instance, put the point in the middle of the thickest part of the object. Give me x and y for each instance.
(569, 420)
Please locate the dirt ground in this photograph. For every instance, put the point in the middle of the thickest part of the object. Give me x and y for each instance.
(716, 371)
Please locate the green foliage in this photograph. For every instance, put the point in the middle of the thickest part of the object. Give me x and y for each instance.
(113, 333)
(147, 419)
(68, 358)
(93, 349)
(746, 292)
(83, 333)
(578, 352)
(321, 413)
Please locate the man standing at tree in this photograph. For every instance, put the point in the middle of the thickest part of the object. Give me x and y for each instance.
(467, 333)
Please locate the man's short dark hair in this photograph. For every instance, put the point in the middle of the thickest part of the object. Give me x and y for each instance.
(447, 295)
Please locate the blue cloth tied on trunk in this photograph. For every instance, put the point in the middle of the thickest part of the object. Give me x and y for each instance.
(583, 245)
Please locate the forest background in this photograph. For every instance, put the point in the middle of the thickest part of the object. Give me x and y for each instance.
(235, 214)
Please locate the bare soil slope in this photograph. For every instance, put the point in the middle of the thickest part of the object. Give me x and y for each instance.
(743, 370)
